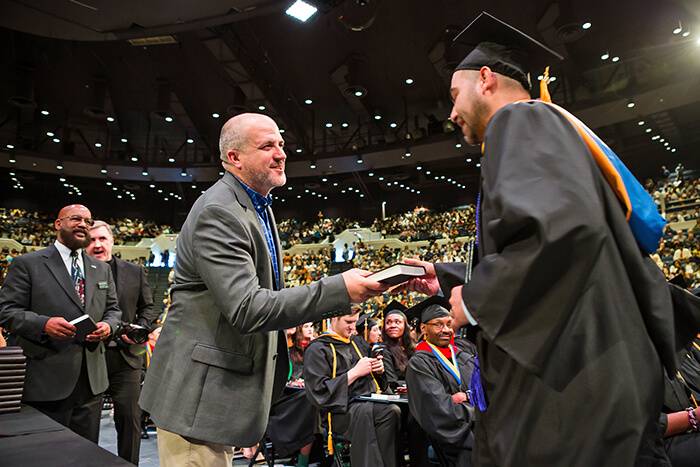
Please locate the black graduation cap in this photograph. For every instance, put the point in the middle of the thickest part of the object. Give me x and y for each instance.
(394, 306)
(430, 308)
(365, 323)
(503, 48)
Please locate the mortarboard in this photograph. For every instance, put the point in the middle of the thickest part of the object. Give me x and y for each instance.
(503, 48)
(394, 307)
(364, 324)
(430, 308)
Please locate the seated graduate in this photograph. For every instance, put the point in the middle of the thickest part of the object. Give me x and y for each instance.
(369, 332)
(400, 346)
(680, 419)
(438, 377)
(336, 372)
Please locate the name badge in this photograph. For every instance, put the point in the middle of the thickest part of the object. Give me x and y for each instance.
(102, 285)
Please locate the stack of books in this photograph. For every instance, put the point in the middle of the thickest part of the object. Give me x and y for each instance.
(13, 367)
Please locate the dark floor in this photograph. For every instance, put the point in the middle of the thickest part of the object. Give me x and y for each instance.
(149, 448)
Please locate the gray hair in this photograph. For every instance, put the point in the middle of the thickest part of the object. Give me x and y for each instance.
(232, 137)
(99, 224)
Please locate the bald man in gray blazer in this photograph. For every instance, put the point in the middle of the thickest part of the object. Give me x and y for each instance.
(221, 358)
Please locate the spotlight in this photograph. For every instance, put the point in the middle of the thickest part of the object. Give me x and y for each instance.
(685, 34)
(56, 140)
(458, 145)
(360, 160)
(10, 146)
(409, 81)
(605, 56)
(344, 125)
(221, 173)
(308, 102)
(261, 107)
(124, 140)
(151, 185)
(108, 183)
(98, 144)
(59, 166)
(377, 117)
(281, 131)
(171, 159)
(134, 158)
(168, 119)
(110, 119)
(45, 113)
(586, 25)
(329, 125)
(371, 174)
(144, 172)
(103, 171)
(393, 125)
(215, 115)
(630, 104)
(190, 141)
(12, 160)
(298, 150)
(615, 59)
(419, 167)
(358, 93)
(407, 153)
(50, 134)
(301, 10)
(648, 130)
(312, 165)
(640, 123)
(183, 173)
(324, 179)
(678, 29)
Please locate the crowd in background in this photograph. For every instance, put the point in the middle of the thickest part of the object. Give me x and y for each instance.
(679, 251)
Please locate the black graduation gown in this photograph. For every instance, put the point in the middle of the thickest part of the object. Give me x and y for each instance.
(430, 388)
(574, 321)
(353, 419)
(682, 449)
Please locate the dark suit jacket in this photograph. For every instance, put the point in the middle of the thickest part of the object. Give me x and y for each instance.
(136, 302)
(220, 358)
(39, 287)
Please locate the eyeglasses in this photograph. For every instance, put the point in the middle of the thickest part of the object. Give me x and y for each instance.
(78, 219)
(440, 326)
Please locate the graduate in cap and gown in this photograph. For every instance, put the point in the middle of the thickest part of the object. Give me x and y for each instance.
(574, 320)
(336, 372)
(438, 379)
(369, 331)
(396, 336)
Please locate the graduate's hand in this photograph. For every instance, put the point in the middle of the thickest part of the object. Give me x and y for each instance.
(378, 365)
(459, 317)
(426, 284)
(459, 397)
(360, 288)
(362, 367)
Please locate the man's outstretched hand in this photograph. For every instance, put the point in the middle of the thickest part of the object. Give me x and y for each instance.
(360, 288)
(427, 284)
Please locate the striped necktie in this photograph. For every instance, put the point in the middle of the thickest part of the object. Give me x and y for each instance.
(77, 276)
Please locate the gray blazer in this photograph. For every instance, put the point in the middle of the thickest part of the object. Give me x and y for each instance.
(220, 359)
(39, 287)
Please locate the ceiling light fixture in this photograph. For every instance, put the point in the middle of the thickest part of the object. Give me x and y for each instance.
(409, 81)
(605, 56)
(168, 119)
(586, 25)
(190, 141)
(124, 140)
(215, 115)
(110, 119)
(615, 59)
(45, 113)
(308, 102)
(301, 10)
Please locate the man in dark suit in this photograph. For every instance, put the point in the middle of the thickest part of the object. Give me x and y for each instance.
(43, 291)
(125, 358)
(221, 358)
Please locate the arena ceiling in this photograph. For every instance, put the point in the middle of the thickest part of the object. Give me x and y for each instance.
(135, 92)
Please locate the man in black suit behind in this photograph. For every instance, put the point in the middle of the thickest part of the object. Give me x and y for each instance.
(43, 291)
(125, 358)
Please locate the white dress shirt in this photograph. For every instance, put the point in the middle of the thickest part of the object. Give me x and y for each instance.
(67, 260)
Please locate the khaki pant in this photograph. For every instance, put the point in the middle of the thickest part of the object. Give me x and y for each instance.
(176, 451)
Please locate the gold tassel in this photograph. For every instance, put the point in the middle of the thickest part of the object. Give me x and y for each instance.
(544, 91)
(330, 435)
